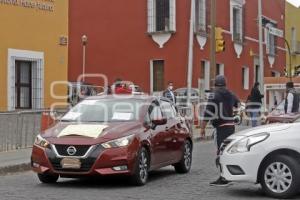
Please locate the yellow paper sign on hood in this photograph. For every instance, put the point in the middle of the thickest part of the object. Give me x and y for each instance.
(86, 130)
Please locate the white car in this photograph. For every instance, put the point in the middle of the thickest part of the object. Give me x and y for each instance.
(267, 155)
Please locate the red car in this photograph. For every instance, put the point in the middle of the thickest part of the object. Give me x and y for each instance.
(124, 135)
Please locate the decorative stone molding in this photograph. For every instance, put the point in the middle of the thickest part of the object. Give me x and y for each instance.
(239, 2)
(271, 60)
(161, 38)
(201, 40)
(238, 47)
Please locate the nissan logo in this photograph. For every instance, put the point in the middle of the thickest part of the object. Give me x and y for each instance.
(71, 150)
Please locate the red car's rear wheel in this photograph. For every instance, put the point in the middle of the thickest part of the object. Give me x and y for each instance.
(185, 164)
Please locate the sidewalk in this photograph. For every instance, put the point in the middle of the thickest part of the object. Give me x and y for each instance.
(15, 161)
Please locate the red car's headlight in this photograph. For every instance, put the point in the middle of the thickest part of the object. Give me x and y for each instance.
(41, 142)
(121, 142)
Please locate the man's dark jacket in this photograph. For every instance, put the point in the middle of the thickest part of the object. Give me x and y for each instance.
(220, 107)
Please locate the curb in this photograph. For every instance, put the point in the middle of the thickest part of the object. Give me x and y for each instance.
(15, 168)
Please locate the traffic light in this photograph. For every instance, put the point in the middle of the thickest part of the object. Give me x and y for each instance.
(297, 70)
(220, 42)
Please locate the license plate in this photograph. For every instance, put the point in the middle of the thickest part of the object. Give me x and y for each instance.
(70, 163)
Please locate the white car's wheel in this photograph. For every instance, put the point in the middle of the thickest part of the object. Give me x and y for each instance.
(280, 176)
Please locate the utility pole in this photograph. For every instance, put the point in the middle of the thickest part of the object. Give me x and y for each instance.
(212, 42)
(84, 40)
(290, 59)
(191, 56)
(261, 50)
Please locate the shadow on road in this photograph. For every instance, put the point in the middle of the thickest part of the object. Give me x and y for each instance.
(247, 193)
(108, 181)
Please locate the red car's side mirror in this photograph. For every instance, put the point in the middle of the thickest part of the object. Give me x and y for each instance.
(161, 121)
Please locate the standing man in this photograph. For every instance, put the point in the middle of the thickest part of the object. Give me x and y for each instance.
(255, 103)
(292, 99)
(219, 111)
(168, 93)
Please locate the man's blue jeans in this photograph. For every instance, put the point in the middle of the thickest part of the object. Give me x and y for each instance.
(254, 118)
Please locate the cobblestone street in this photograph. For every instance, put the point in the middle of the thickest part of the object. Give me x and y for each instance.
(163, 184)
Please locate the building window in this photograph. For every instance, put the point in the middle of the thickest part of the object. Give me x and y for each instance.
(219, 69)
(237, 24)
(23, 85)
(245, 78)
(161, 16)
(270, 41)
(200, 16)
(237, 21)
(158, 75)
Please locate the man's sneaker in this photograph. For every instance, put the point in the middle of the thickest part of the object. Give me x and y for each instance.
(221, 182)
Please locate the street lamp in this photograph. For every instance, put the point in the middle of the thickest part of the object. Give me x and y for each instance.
(84, 40)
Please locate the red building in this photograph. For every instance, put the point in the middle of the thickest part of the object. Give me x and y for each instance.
(146, 41)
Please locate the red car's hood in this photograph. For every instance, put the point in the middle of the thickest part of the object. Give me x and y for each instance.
(111, 131)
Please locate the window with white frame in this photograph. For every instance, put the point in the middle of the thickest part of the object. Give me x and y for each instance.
(200, 16)
(270, 40)
(219, 69)
(26, 85)
(245, 78)
(237, 23)
(205, 75)
(161, 16)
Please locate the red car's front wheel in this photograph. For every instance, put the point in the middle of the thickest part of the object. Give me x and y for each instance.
(141, 174)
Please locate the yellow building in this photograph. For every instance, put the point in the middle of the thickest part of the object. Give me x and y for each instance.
(292, 33)
(33, 53)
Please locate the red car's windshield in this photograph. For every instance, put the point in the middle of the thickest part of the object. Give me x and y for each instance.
(108, 110)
